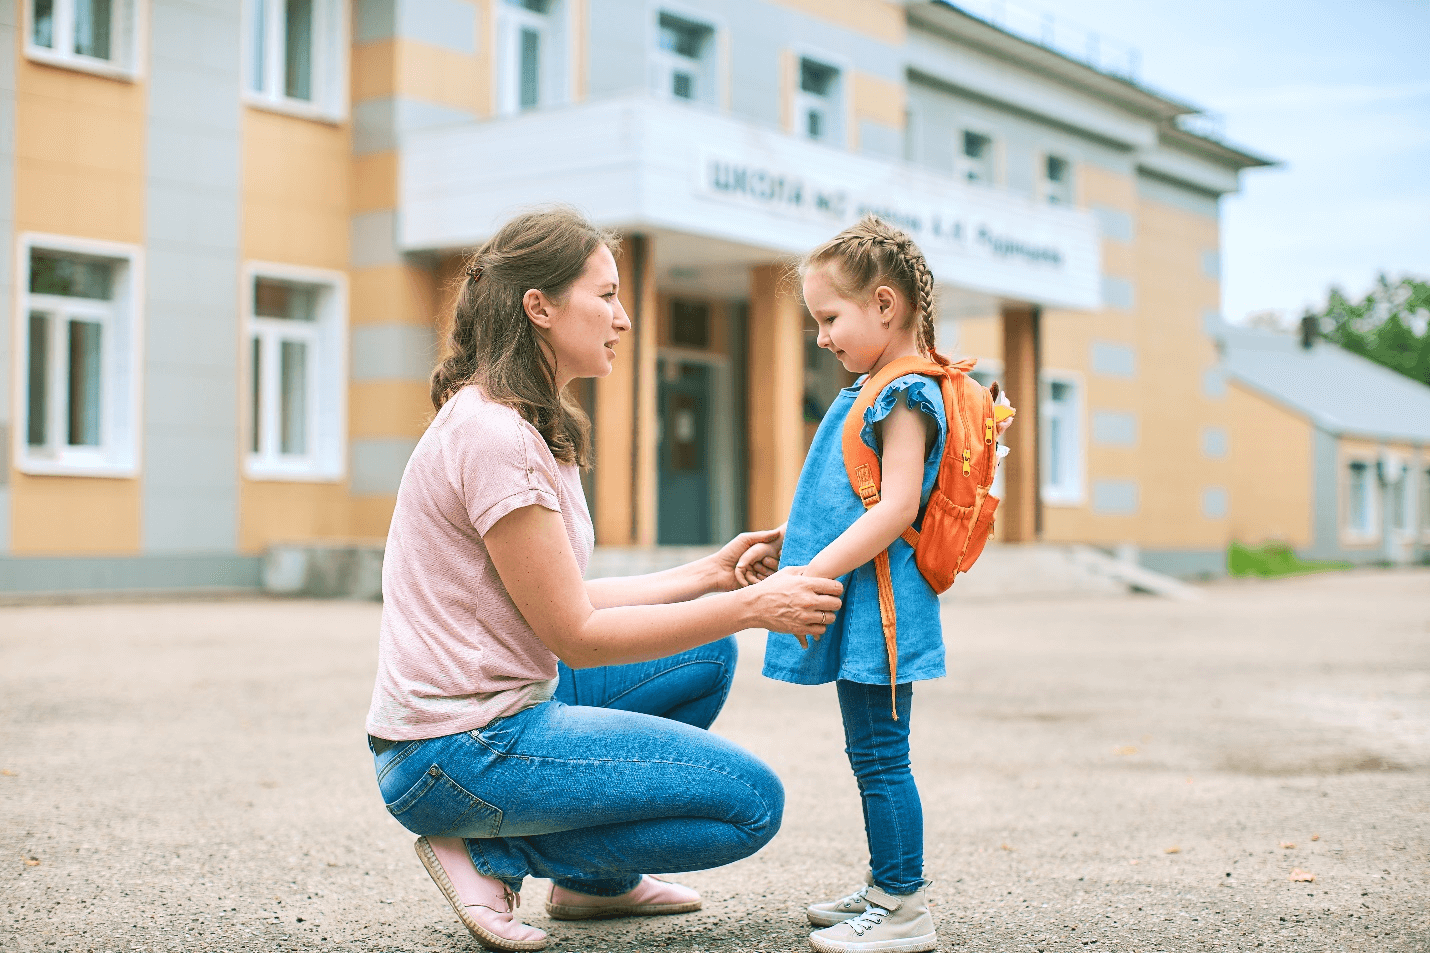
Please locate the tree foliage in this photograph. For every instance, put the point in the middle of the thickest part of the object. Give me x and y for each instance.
(1391, 326)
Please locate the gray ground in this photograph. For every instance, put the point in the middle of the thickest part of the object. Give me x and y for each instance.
(1104, 774)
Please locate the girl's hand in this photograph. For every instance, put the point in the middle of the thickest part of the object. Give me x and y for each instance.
(731, 565)
(761, 560)
(790, 601)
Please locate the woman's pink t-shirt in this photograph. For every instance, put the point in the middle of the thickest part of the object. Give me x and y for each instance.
(454, 651)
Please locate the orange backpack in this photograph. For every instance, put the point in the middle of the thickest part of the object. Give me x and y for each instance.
(958, 519)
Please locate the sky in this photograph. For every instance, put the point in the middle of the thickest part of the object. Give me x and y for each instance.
(1338, 92)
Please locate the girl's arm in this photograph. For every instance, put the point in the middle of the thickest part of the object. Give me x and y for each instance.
(533, 556)
(715, 573)
(902, 463)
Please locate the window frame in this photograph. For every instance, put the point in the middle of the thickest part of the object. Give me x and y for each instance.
(554, 78)
(1048, 190)
(1352, 534)
(329, 70)
(121, 343)
(837, 105)
(1421, 469)
(327, 336)
(663, 63)
(1074, 491)
(128, 65)
(964, 164)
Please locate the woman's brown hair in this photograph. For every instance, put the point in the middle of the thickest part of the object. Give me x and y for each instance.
(494, 344)
(872, 253)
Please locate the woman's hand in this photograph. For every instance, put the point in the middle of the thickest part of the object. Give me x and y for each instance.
(790, 601)
(761, 560)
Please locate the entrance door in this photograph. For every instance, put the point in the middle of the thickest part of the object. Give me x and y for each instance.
(683, 512)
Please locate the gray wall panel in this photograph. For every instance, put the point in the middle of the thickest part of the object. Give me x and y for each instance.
(374, 240)
(1114, 428)
(377, 464)
(190, 478)
(617, 34)
(1169, 193)
(129, 573)
(392, 352)
(1115, 497)
(1113, 360)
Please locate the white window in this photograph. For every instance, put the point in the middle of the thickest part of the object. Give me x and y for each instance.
(531, 38)
(684, 62)
(1060, 450)
(99, 36)
(293, 56)
(819, 104)
(976, 157)
(296, 411)
(78, 345)
(1361, 509)
(1057, 180)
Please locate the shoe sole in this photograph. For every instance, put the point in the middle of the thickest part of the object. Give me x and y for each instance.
(826, 918)
(572, 911)
(484, 936)
(917, 944)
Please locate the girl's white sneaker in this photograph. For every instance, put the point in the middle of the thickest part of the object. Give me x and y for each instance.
(889, 924)
(845, 908)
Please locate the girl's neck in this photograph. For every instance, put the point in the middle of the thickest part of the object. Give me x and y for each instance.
(900, 347)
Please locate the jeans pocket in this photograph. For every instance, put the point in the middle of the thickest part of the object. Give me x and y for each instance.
(437, 806)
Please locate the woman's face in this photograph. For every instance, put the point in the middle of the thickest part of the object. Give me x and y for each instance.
(583, 329)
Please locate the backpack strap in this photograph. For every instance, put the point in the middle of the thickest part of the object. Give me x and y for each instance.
(861, 464)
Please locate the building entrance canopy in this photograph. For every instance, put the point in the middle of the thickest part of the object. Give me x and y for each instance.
(636, 163)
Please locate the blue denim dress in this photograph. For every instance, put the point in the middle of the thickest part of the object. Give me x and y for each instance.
(825, 505)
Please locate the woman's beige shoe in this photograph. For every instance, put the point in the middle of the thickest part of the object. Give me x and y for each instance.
(652, 897)
(845, 908)
(890, 924)
(486, 906)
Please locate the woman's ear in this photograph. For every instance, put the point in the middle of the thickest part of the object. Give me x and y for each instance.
(537, 308)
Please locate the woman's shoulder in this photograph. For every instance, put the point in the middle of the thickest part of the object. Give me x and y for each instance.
(471, 414)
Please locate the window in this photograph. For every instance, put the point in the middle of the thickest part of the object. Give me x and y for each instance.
(533, 64)
(296, 378)
(977, 157)
(690, 324)
(78, 351)
(1060, 455)
(95, 35)
(1057, 180)
(1360, 500)
(294, 56)
(819, 109)
(684, 62)
(1425, 501)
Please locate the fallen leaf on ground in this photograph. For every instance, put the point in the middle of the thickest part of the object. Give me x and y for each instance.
(32, 861)
(1302, 876)
(1172, 850)
(1005, 847)
(1134, 862)
(1127, 749)
(1287, 845)
(1315, 837)
(8, 773)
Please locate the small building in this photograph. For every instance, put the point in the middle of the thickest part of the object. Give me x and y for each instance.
(1331, 451)
(234, 228)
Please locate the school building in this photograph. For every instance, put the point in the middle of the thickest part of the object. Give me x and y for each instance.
(230, 229)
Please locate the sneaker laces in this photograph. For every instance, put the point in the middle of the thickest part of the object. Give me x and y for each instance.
(859, 896)
(868, 920)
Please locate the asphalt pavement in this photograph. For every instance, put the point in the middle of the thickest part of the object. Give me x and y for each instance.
(1117, 773)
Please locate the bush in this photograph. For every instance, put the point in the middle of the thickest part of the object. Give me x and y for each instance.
(1273, 560)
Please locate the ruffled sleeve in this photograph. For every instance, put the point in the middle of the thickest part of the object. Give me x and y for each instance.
(919, 393)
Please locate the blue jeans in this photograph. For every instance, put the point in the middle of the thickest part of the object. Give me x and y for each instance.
(594, 795)
(878, 749)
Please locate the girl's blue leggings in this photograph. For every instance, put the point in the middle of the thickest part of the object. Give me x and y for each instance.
(878, 749)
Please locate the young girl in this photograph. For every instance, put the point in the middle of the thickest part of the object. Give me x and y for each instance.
(871, 295)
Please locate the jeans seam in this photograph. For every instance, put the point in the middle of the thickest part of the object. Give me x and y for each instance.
(675, 668)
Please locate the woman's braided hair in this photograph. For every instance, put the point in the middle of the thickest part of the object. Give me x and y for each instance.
(873, 253)
(494, 344)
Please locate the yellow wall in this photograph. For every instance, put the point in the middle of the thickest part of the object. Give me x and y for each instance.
(881, 20)
(1272, 470)
(79, 172)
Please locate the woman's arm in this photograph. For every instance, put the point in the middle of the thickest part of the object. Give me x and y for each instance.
(714, 573)
(533, 556)
(901, 486)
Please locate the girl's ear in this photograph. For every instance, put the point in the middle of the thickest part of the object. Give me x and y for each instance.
(885, 299)
(538, 309)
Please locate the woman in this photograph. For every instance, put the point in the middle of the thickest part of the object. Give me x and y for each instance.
(504, 768)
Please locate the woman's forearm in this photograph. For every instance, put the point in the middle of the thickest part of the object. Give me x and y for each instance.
(640, 633)
(680, 584)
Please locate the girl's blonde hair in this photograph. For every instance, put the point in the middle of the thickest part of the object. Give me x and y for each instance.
(873, 253)
(494, 344)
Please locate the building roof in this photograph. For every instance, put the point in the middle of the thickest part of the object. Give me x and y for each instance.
(1340, 392)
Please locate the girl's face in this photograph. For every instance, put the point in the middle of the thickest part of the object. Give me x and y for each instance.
(858, 334)
(582, 331)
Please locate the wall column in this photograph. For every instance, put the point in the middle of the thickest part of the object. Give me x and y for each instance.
(1020, 514)
(776, 381)
(625, 427)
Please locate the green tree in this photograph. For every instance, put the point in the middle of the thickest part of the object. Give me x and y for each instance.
(1391, 326)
